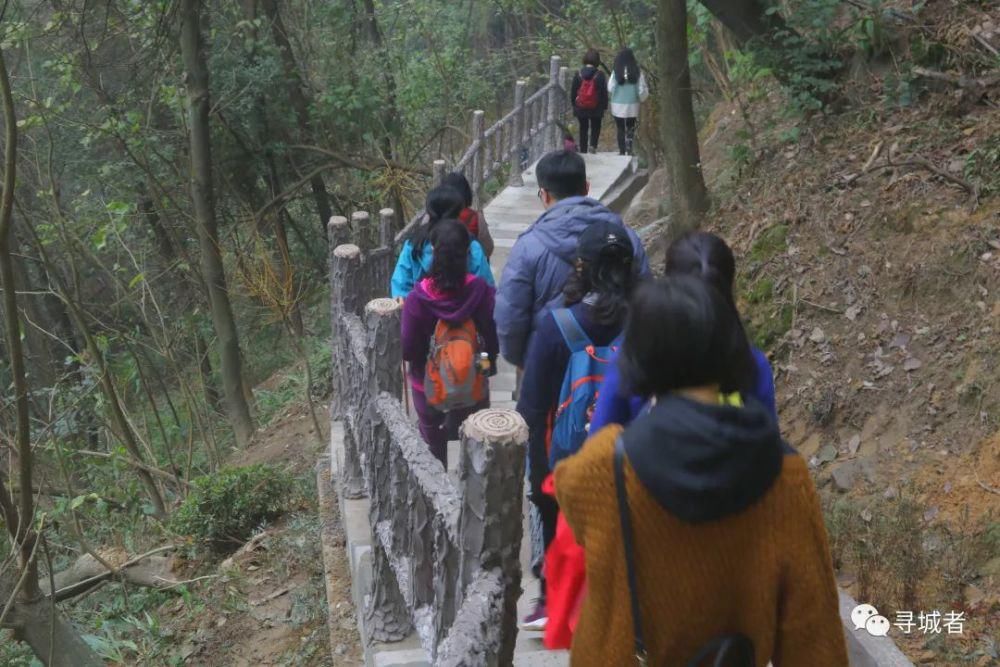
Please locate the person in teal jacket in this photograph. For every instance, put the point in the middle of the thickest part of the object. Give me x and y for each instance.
(416, 256)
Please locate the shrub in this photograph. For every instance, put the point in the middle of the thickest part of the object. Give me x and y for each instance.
(226, 507)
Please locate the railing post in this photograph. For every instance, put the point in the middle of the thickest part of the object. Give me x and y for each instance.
(345, 280)
(385, 219)
(386, 614)
(337, 234)
(438, 169)
(382, 319)
(478, 118)
(489, 526)
(517, 136)
(555, 92)
(564, 83)
(361, 229)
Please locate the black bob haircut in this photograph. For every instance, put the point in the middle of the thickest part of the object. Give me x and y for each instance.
(563, 174)
(457, 180)
(682, 333)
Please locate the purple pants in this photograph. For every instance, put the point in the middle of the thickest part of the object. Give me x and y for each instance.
(438, 428)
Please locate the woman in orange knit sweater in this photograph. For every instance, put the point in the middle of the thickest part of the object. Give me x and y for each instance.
(726, 528)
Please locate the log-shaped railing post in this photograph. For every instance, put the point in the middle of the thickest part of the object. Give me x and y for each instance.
(564, 102)
(382, 319)
(555, 92)
(489, 526)
(439, 169)
(478, 118)
(386, 217)
(517, 136)
(360, 227)
(386, 615)
(337, 233)
(346, 279)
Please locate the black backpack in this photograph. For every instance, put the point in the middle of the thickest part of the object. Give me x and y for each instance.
(730, 650)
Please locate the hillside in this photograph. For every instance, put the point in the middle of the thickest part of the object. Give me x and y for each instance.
(869, 249)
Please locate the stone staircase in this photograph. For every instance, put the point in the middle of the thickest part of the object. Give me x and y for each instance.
(509, 214)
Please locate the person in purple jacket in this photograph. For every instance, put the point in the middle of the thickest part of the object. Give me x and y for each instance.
(450, 293)
(708, 256)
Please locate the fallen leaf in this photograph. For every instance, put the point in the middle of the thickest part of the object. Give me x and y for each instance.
(852, 312)
(854, 444)
(930, 514)
(817, 335)
(912, 364)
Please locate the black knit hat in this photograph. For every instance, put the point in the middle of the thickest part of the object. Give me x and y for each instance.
(601, 236)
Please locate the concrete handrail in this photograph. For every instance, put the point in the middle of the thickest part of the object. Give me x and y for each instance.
(439, 548)
(522, 135)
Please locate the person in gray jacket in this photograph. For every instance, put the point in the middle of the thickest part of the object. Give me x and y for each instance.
(543, 255)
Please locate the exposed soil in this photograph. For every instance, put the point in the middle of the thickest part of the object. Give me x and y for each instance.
(877, 296)
(268, 605)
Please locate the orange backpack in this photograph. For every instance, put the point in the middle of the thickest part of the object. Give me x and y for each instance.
(452, 378)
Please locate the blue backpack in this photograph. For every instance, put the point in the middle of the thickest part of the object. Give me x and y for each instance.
(584, 374)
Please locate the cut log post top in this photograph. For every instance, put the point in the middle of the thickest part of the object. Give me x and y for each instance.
(439, 168)
(496, 427)
(347, 251)
(338, 230)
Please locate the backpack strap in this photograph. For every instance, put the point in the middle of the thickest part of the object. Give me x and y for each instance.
(734, 650)
(576, 339)
(626, 521)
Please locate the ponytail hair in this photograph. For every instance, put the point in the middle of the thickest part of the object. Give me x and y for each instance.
(442, 202)
(707, 256)
(610, 279)
(450, 240)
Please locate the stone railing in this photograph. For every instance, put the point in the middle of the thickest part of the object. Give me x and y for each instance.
(444, 554)
(525, 133)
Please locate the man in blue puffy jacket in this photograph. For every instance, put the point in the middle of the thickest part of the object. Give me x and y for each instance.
(543, 255)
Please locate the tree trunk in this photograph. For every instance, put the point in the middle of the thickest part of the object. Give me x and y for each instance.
(37, 623)
(297, 96)
(205, 368)
(43, 628)
(764, 34)
(204, 207)
(688, 195)
(747, 19)
(19, 526)
(391, 115)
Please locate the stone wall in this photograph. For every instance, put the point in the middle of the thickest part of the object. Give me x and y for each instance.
(444, 554)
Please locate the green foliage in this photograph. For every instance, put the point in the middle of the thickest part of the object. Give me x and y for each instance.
(881, 542)
(982, 166)
(225, 508)
(769, 243)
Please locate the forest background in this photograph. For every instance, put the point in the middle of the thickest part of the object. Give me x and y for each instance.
(170, 166)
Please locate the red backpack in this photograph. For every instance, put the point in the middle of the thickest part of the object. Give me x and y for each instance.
(470, 218)
(586, 95)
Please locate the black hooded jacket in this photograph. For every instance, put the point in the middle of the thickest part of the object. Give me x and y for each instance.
(703, 462)
(601, 81)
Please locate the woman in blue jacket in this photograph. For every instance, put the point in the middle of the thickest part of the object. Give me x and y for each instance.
(416, 256)
(708, 256)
